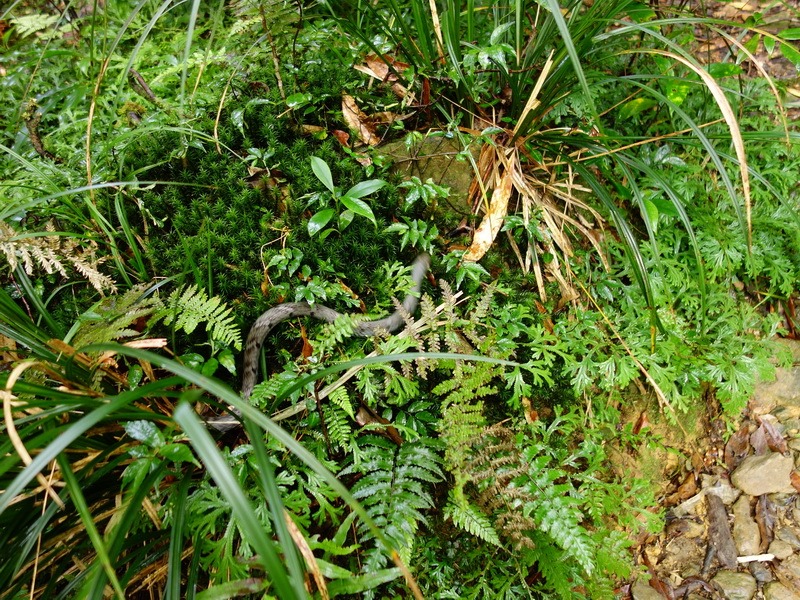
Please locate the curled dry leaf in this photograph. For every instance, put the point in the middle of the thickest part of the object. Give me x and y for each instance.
(378, 67)
(342, 136)
(774, 439)
(358, 121)
(492, 220)
(738, 447)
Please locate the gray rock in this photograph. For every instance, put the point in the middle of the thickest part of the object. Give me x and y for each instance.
(641, 591)
(782, 550)
(719, 486)
(777, 591)
(745, 529)
(735, 586)
(783, 392)
(760, 571)
(765, 474)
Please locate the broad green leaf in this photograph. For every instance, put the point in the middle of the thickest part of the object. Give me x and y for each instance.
(345, 219)
(298, 99)
(751, 45)
(145, 432)
(210, 367)
(790, 34)
(359, 207)
(227, 360)
(651, 212)
(320, 220)
(497, 34)
(639, 12)
(135, 375)
(362, 583)
(178, 453)
(791, 54)
(323, 172)
(677, 90)
(720, 70)
(636, 106)
(769, 45)
(365, 188)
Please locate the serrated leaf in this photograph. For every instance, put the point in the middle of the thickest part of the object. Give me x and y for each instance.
(227, 360)
(359, 207)
(178, 453)
(145, 432)
(318, 222)
(323, 172)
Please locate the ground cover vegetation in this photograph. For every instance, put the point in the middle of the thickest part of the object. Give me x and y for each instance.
(171, 170)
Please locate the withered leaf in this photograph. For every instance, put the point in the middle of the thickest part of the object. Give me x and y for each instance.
(358, 121)
(738, 447)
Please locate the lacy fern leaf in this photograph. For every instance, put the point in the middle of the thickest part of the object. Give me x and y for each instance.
(394, 491)
(187, 307)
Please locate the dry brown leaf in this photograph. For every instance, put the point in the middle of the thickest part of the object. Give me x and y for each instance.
(492, 220)
(773, 437)
(342, 136)
(311, 129)
(738, 447)
(358, 121)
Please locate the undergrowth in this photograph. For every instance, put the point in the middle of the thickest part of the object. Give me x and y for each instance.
(157, 195)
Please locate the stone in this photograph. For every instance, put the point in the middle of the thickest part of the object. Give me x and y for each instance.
(760, 571)
(735, 586)
(777, 591)
(745, 530)
(641, 591)
(764, 474)
(784, 392)
(780, 549)
(719, 486)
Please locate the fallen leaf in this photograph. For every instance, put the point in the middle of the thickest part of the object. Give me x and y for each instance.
(492, 220)
(774, 438)
(308, 349)
(641, 423)
(795, 478)
(342, 136)
(765, 518)
(358, 121)
(738, 447)
(686, 490)
(311, 129)
(366, 416)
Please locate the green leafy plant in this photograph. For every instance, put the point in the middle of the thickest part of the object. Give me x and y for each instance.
(351, 200)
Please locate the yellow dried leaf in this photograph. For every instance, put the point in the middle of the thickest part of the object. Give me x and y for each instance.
(492, 221)
(358, 121)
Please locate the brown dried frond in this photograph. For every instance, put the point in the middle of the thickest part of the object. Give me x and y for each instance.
(51, 251)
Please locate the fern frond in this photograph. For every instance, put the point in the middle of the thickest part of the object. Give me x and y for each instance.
(51, 251)
(111, 318)
(187, 307)
(394, 489)
(467, 517)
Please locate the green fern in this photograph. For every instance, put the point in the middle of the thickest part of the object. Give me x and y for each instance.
(468, 517)
(394, 489)
(187, 307)
(112, 317)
